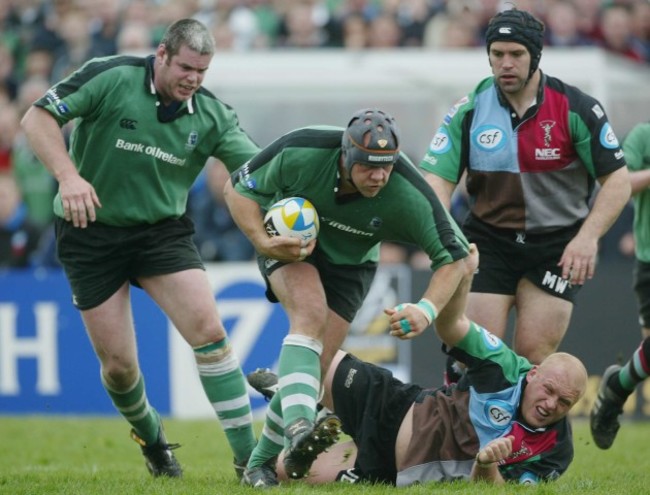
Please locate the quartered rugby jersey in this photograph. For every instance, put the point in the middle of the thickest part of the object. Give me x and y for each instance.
(454, 423)
(534, 174)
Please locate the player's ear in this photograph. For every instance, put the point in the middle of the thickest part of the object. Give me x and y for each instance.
(531, 373)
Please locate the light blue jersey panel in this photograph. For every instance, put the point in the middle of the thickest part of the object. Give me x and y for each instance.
(493, 144)
(492, 413)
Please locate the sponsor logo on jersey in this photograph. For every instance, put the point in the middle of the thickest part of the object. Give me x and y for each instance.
(555, 282)
(454, 110)
(547, 153)
(149, 150)
(607, 137)
(350, 378)
(244, 176)
(375, 223)
(192, 139)
(528, 478)
(60, 105)
(491, 341)
(498, 413)
(129, 124)
(346, 228)
(523, 451)
(598, 111)
(489, 138)
(441, 143)
(546, 126)
(430, 159)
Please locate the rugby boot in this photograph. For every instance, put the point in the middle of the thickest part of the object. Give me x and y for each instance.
(264, 381)
(306, 441)
(261, 477)
(603, 419)
(240, 467)
(159, 458)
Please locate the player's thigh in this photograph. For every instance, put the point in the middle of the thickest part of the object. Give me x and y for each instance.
(327, 399)
(186, 297)
(336, 330)
(299, 289)
(110, 329)
(542, 321)
(490, 311)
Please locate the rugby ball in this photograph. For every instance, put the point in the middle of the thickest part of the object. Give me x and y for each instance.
(292, 217)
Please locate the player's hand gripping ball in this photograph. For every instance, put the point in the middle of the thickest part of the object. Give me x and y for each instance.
(293, 217)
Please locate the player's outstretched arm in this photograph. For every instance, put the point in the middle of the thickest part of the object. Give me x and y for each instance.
(443, 302)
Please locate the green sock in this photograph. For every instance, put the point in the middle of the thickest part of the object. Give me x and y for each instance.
(225, 386)
(271, 441)
(135, 408)
(299, 377)
(636, 370)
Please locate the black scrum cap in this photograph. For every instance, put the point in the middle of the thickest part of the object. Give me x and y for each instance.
(521, 27)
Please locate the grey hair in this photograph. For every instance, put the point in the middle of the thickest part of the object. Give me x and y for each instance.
(190, 33)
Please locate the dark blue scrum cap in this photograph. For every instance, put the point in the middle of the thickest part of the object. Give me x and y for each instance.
(520, 27)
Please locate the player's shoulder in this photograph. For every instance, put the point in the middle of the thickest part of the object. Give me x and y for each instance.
(110, 71)
(573, 93)
(313, 136)
(102, 64)
(468, 101)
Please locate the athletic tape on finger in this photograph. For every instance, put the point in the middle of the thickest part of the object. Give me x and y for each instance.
(405, 325)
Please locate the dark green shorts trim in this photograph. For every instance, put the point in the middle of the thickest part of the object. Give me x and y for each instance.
(100, 258)
(346, 286)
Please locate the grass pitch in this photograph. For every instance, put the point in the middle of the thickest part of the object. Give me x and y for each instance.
(94, 456)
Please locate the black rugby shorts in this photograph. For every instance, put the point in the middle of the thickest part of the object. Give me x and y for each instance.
(372, 404)
(346, 286)
(98, 259)
(506, 256)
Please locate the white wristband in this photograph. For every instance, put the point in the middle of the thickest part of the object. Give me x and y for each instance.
(428, 309)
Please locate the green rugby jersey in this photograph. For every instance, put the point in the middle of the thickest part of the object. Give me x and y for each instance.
(141, 161)
(637, 154)
(305, 162)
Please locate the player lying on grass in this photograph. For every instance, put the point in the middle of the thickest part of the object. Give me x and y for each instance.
(506, 420)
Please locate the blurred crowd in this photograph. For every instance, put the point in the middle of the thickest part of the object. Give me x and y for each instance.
(42, 41)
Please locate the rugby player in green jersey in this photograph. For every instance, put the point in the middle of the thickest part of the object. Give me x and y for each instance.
(618, 382)
(365, 191)
(144, 130)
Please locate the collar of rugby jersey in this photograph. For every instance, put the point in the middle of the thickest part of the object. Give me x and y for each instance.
(539, 99)
(166, 113)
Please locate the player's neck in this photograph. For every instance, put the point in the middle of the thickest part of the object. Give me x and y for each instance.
(526, 97)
